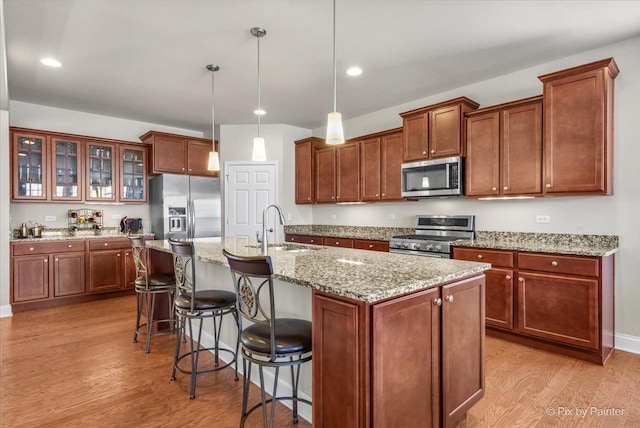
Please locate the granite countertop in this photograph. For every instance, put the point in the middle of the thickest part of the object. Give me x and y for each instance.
(63, 235)
(367, 276)
(553, 243)
(354, 232)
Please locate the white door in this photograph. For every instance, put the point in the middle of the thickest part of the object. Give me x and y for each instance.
(248, 189)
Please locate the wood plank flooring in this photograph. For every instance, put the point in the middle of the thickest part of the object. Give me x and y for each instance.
(75, 366)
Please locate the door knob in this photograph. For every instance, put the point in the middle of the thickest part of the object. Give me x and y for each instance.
(480, 256)
(508, 277)
(449, 298)
(432, 151)
(437, 301)
(554, 263)
(548, 186)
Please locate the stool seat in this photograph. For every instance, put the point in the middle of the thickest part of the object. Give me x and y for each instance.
(292, 336)
(206, 300)
(157, 280)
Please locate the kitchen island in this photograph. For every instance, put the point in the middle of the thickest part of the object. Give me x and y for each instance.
(397, 340)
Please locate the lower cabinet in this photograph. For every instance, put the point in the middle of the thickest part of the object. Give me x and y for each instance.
(30, 278)
(110, 265)
(68, 274)
(361, 244)
(370, 368)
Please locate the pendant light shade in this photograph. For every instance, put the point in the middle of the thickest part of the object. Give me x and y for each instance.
(335, 132)
(259, 150)
(214, 158)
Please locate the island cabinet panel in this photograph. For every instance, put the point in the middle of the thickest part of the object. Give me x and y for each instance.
(68, 274)
(325, 175)
(391, 161)
(304, 172)
(406, 365)
(578, 129)
(30, 278)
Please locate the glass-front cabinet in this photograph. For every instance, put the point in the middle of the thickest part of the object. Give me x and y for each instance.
(133, 184)
(101, 172)
(30, 166)
(66, 169)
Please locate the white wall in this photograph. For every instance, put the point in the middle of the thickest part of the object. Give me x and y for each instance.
(614, 215)
(5, 308)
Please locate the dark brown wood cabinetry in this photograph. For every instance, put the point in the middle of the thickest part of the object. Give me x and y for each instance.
(68, 273)
(435, 131)
(374, 371)
(361, 244)
(337, 174)
(178, 154)
(108, 264)
(304, 239)
(370, 244)
(325, 175)
(370, 169)
(504, 149)
(578, 129)
(391, 161)
(304, 170)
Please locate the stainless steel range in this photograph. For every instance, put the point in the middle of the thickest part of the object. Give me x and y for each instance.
(434, 234)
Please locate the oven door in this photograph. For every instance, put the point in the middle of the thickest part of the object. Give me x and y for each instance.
(439, 177)
(420, 253)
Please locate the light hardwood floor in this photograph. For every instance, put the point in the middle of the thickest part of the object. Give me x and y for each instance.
(75, 366)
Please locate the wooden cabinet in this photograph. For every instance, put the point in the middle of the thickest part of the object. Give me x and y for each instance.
(504, 149)
(30, 278)
(305, 239)
(338, 242)
(578, 129)
(348, 173)
(325, 175)
(435, 131)
(29, 164)
(109, 265)
(178, 154)
(68, 273)
(372, 245)
(371, 369)
(370, 169)
(101, 172)
(304, 170)
(361, 244)
(133, 174)
(391, 161)
(67, 169)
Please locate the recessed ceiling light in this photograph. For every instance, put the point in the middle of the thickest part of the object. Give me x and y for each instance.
(259, 112)
(354, 71)
(51, 62)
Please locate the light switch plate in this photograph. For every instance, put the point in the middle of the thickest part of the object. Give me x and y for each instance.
(391, 216)
(50, 218)
(116, 216)
(333, 216)
(543, 219)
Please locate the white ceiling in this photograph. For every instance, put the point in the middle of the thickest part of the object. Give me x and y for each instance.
(145, 59)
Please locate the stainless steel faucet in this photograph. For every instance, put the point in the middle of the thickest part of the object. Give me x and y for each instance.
(265, 245)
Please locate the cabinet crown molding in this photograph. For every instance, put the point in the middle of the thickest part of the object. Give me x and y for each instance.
(460, 100)
(608, 63)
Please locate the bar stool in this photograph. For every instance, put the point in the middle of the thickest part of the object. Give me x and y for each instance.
(269, 341)
(147, 287)
(191, 304)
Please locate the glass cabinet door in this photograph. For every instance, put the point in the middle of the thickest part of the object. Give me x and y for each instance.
(101, 176)
(66, 168)
(30, 169)
(133, 176)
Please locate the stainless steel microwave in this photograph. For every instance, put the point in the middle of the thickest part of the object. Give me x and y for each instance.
(438, 177)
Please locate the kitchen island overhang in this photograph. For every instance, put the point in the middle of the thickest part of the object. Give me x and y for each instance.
(374, 314)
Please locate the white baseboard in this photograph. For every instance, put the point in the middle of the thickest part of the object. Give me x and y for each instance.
(284, 388)
(625, 342)
(5, 311)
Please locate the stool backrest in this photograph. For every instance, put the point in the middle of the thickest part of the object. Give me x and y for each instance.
(184, 269)
(250, 274)
(140, 258)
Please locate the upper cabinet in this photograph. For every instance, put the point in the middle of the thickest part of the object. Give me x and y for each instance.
(60, 167)
(304, 170)
(380, 161)
(435, 131)
(178, 154)
(578, 129)
(504, 149)
(325, 175)
(337, 173)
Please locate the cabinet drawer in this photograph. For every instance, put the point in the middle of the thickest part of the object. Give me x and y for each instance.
(304, 239)
(497, 258)
(47, 247)
(366, 244)
(109, 244)
(571, 265)
(338, 242)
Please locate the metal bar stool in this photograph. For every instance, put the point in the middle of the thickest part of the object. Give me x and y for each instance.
(147, 287)
(269, 341)
(191, 304)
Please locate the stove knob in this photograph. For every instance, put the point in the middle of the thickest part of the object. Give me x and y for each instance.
(416, 246)
(429, 247)
(405, 245)
(438, 248)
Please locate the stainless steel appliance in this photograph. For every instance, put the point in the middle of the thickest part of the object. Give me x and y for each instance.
(434, 234)
(183, 206)
(438, 177)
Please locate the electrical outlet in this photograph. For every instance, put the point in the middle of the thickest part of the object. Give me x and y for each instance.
(543, 219)
(391, 216)
(333, 216)
(116, 216)
(50, 218)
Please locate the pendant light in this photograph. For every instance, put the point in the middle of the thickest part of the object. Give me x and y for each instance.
(259, 151)
(335, 133)
(214, 157)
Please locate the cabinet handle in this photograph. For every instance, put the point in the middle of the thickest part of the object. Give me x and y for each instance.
(332, 197)
(437, 301)
(384, 194)
(46, 260)
(183, 169)
(190, 170)
(548, 186)
(337, 243)
(30, 248)
(57, 259)
(480, 256)
(308, 199)
(506, 188)
(433, 151)
(311, 241)
(370, 245)
(69, 246)
(106, 244)
(554, 263)
(377, 194)
(424, 152)
(118, 255)
(338, 197)
(508, 277)
(449, 298)
(292, 239)
(520, 279)
(127, 254)
(494, 188)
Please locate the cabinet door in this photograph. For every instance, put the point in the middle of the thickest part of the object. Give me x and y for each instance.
(414, 137)
(391, 161)
(338, 242)
(559, 308)
(370, 169)
(133, 174)
(522, 150)
(129, 269)
(371, 245)
(67, 161)
(405, 365)
(105, 270)
(304, 173)
(30, 174)
(482, 164)
(462, 347)
(444, 132)
(30, 278)
(499, 301)
(169, 155)
(101, 172)
(325, 175)
(68, 274)
(198, 158)
(348, 173)
(576, 133)
(305, 239)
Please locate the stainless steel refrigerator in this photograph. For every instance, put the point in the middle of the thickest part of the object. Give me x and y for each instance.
(183, 206)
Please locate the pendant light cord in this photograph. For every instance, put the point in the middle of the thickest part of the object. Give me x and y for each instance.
(259, 112)
(335, 72)
(213, 112)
